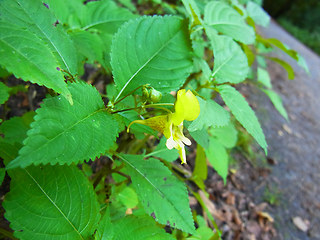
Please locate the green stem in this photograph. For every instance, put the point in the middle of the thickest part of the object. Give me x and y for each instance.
(117, 101)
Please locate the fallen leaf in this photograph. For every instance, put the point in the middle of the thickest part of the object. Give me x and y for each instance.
(300, 224)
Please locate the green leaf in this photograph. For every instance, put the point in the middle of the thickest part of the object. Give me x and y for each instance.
(36, 18)
(30, 58)
(4, 93)
(258, 14)
(151, 50)
(51, 202)
(63, 133)
(15, 129)
(105, 16)
(277, 102)
(264, 77)
(200, 168)
(163, 152)
(2, 175)
(105, 229)
(137, 228)
(223, 18)
(277, 43)
(243, 113)
(302, 62)
(285, 65)
(89, 45)
(128, 197)
(230, 62)
(226, 135)
(211, 114)
(201, 137)
(161, 194)
(67, 12)
(218, 158)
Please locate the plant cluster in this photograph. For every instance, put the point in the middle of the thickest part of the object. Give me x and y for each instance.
(91, 165)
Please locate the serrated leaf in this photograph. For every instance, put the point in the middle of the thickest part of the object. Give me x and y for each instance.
(151, 50)
(243, 113)
(161, 194)
(230, 62)
(52, 203)
(4, 93)
(29, 58)
(163, 152)
(258, 14)
(218, 158)
(264, 77)
(64, 134)
(211, 114)
(137, 228)
(277, 102)
(226, 135)
(285, 65)
(105, 16)
(223, 18)
(36, 18)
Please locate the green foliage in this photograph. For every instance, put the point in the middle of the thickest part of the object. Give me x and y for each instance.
(223, 18)
(135, 228)
(136, 62)
(257, 13)
(231, 64)
(4, 93)
(277, 102)
(167, 54)
(161, 194)
(243, 113)
(218, 158)
(65, 133)
(51, 202)
(211, 114)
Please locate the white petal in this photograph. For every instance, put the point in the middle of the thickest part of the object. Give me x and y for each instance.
(171, 143)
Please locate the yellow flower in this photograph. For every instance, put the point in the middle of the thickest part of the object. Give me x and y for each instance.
(171, 125)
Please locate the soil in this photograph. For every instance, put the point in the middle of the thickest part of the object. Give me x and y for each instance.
(293, 145)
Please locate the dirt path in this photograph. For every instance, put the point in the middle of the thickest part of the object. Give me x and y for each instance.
(295, 145)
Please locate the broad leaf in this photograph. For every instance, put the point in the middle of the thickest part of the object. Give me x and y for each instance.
(2, 175)
(63, 133)
(243, 113)
(151, 50)
(277, 102)
(200, 172)
(30, 58)
(223, 18)
(161, 194)
(51, 203)
(226, 135)
(211, 114)
(201, 137)
(105, 16)
(138, 227)
(4, 93)
(230, 62)
(36, 18)
(218, 158)
(257, 13)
